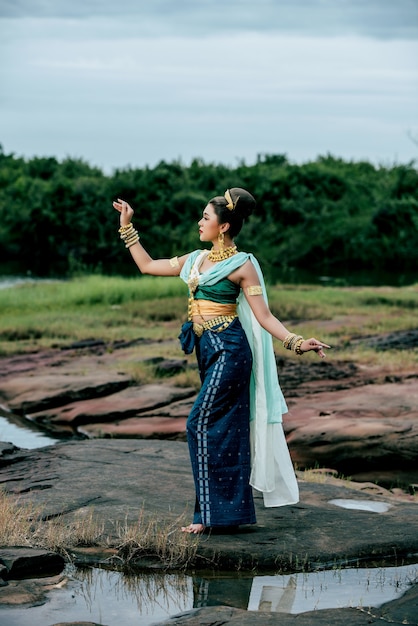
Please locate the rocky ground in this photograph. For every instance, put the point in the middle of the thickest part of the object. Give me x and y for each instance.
(123, 479)
(360, 421)
(356, 420)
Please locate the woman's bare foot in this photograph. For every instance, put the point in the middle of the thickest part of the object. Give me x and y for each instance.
(193, 529)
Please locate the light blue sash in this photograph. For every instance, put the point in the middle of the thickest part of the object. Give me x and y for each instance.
(272, 470)
(265, 393)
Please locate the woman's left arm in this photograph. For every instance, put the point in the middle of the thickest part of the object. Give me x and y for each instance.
(250, 284)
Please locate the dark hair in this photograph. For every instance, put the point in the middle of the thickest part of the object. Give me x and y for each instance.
(243, 205)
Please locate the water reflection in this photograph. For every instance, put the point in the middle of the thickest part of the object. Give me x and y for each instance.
(22, 433)
(147, 595)
(215, 589)
(117, 599)
(329, 589)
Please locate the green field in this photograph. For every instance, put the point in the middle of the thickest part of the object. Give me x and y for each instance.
(57, 313)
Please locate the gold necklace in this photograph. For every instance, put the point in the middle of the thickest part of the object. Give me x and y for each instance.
(222, 255)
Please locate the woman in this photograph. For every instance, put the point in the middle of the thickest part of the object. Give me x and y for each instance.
(234, 430)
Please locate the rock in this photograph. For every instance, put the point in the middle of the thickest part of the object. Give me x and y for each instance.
(77, 624)
(170, 367)
(302, 377)
(23, 562)
(139, 427)
(28, 394)
(32, 592)
(123, 479)
(227, 616)
(398, 340)
(9, 453)
(114, 407)
(371, 431)
(361, 421)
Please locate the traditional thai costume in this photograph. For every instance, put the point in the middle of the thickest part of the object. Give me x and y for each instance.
(234, 430)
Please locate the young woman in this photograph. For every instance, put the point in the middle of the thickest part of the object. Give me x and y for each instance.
(234, 430)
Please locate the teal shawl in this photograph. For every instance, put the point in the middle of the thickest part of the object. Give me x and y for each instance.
(272, 470)
(269, 397)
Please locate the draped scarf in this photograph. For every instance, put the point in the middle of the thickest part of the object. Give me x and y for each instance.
(272, 470)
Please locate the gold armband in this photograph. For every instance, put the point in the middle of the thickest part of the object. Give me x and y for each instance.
(255, 290)
(174, 262)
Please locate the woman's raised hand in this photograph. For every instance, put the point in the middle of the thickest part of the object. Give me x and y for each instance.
(315, 345)
(125, 210)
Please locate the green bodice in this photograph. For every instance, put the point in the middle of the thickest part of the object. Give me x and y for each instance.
(223, 292)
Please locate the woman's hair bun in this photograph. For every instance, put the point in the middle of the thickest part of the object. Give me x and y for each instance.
(244, 203)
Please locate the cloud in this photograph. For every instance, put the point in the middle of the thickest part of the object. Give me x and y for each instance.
(137, 82)
(396, 19)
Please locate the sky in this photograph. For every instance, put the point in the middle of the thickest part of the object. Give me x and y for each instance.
(130, 83)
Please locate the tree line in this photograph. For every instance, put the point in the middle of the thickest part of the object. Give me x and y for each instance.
(56, 217)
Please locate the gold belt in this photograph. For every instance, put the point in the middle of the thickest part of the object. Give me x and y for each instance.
(207, 307)
(223, 320)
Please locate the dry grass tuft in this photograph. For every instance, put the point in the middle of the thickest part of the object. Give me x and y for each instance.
(137, 543)
(18, 522)
(150, 540)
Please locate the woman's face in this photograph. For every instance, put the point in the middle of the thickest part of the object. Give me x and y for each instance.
(209, 225)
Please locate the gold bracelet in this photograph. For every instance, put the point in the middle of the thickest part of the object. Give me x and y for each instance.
(132, 242)
(298, 344)
(287, 339)
(130, 235)
(124, 229)
(290, 341)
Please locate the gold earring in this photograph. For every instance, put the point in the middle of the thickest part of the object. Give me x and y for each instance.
(221, 240)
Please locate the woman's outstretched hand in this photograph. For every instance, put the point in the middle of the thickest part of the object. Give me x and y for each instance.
(125, 210)
(315, 345)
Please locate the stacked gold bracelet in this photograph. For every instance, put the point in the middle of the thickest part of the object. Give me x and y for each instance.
(293, 342)
(129, 235)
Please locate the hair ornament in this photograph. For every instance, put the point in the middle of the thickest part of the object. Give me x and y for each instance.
(229, 201)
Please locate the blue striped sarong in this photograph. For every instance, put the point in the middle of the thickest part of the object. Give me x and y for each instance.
(218, 429)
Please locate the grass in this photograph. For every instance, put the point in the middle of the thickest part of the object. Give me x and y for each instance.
(56, 313)
(45, 314)
(52, 314)
(24, 524)
(323, 475)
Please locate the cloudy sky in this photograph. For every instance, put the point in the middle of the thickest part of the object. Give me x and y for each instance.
(132, 82)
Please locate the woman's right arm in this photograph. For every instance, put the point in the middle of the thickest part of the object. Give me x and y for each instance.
(145, 263)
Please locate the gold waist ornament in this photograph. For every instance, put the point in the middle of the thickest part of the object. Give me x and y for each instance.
(207, 307)
(222, 322)
(225, 314)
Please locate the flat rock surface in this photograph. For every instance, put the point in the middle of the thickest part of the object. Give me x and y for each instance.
(361, 421)
(121, 479)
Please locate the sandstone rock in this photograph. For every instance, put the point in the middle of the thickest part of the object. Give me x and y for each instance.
(123, 479)
(398, 340)
(371, 430)
(9, 453)
(28, 394)
(114, 407)
(139, 427)
(77, 624)
(227, 616)
(23, 562)
(19, 592)
(169, 367)
(358, 420)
